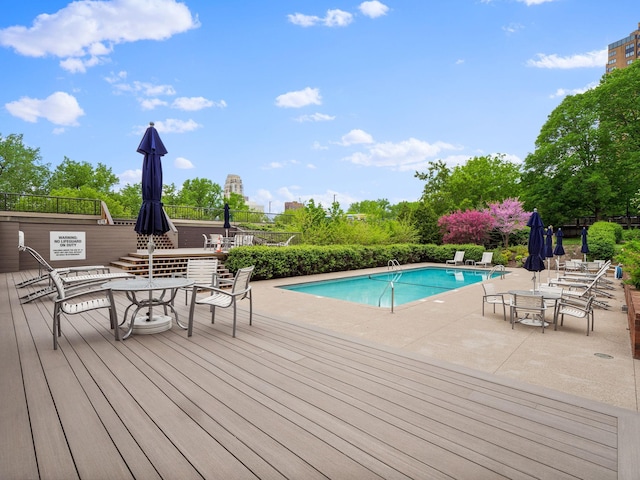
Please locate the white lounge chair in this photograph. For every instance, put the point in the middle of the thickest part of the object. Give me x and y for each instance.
(458, 258)
(486, 260)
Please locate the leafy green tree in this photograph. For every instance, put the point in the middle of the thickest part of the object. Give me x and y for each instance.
(479, 181)
(374, 209)
(21, 170)
(72, 174)
(130, 197)
(116, 209)
(201, 192)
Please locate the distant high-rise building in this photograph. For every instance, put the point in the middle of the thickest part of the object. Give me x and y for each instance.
(293, 206)
(623, 52)
(233, 184)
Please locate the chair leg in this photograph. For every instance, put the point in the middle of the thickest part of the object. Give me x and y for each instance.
(191, 311)
(234, 317)
(56, 326)
(483, 308)
(250, 309)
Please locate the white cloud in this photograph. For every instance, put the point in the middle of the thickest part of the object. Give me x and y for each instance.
(195, 103)
(356, 137)
(528, 3)
(129, 177)
(512, 28)
(596, 58)
(337, 18)
(59, 108)
(85, 31)
(300, 98)
(373, 9)
(333, 18)
(316, 117)
(172, 125)
(407, 155)
(151, 103)
(561, 92)
(303, 20)
(182, 163)
(318, 146)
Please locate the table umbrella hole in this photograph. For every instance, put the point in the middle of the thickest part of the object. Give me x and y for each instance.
(159, 323)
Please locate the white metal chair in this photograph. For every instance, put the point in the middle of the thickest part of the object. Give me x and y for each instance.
(490, 296)
(528, 305)
(208, 241)
(203, 271)
(224, 298)
(576, 307)
(97, 298)
(458, 258)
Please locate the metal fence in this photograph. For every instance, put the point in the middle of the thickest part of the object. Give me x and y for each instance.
(18, 202)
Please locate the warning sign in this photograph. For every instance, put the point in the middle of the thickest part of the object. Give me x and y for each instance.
(68, 246)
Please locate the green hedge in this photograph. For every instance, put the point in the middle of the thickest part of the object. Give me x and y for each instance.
(297, 260)
(602, 240)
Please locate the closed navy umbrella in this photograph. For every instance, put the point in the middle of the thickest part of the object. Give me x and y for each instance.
(151, 218)
(548, 249)
(585, 244)
(227, 217)
(535, 261)
(559, 250)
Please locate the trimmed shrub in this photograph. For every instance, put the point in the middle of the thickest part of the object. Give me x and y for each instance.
(602, 239)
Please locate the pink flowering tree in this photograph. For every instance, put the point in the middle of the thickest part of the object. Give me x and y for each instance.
(508, 216)
(471, 226)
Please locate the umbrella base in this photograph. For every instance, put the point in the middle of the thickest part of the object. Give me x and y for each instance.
(159, 323)
(533, 322)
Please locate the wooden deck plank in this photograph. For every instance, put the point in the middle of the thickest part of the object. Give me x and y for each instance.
(17, 451)
(53, 456)
(283, 400)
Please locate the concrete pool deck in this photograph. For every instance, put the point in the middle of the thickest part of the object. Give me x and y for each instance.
(450, 327)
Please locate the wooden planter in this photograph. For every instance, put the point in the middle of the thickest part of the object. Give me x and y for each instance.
(632, 297)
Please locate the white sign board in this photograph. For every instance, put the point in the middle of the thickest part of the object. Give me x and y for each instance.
(68, 246)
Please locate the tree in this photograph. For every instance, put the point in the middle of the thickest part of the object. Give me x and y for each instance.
(21, 170)
(508, 217)
(473, 185)
(587, 155)
(72, 174)
(201, 192)
(471, 226)
(375, 209)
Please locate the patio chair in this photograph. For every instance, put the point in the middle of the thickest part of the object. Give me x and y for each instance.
(281, 244)
(529, 304)
(224, 298)
(490, 296)
(458, 258)
(590, 286)
(95, 299)
(208, 241)
(203, 271)
(486, 260)
(576, 307)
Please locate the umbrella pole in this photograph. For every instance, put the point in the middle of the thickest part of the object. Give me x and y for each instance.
(151, 247)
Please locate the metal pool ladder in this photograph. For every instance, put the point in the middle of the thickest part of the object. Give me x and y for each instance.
(392, 265)
(497, 268)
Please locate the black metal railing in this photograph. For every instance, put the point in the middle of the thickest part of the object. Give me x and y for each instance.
(19, 202)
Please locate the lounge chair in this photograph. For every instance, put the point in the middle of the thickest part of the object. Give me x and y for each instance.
(458, 258)
(72, 277)
(588, 289)
(486, 260)
(94, 299)
(587, 283)
(224, 298)
(281, 244)
(492, 297)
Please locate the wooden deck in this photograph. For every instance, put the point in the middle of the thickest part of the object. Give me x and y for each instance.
(282, 400)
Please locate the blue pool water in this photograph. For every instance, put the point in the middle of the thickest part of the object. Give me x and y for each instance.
(409, 285)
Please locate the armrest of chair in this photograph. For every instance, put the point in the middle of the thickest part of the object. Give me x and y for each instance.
(83, 293)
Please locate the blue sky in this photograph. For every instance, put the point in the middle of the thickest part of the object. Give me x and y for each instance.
(326, 100)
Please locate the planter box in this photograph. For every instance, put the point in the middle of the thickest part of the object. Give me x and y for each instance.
(632, 297)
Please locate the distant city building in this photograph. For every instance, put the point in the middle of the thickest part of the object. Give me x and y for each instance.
(233, 184)
(623, 52)
(293, 206)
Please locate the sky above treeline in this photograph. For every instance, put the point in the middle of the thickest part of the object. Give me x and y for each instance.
(303, 100)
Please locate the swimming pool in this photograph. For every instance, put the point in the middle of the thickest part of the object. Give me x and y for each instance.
(408, 285)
